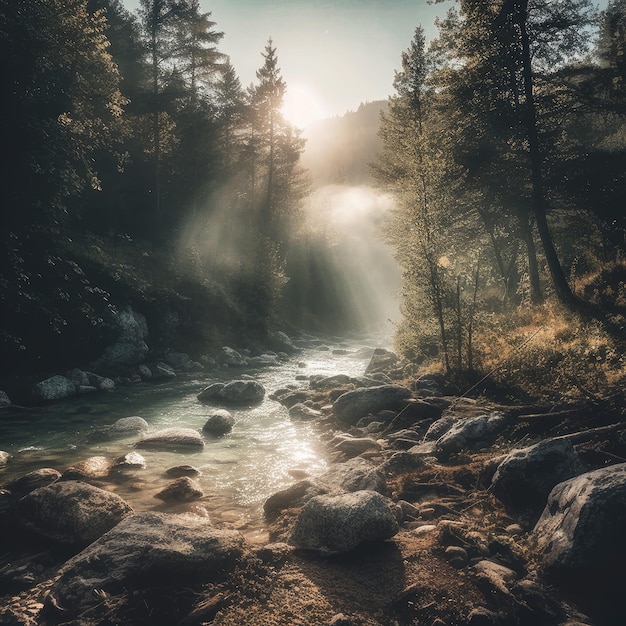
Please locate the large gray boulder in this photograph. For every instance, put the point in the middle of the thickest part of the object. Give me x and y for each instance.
(353, 405)
(234, 393)
(382, 360)
(173, 439)
(582, 526)
(53, 388)
(526, 476)
(332, 524)
(148, 549)
(468, 433)
(71, 512)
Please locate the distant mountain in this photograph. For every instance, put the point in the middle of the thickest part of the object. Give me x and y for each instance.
(339, 149)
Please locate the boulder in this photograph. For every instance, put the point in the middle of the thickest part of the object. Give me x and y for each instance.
(33, 480)
(220, 422)
(382, 360)
(470, 432)
(92, 468)
(70, 512)
(439, 428)
(5, 401)
(526, 476)
(235, 393)
(239, 392)
(4, 458)
(281, 341)
(231, 358)
(356, 474)
(173, 439)
(123, 427)
(303, 412)
(183, 489)
(53, 388)
(145, 550)
(352, 405)
(582, 526)
(333, 524)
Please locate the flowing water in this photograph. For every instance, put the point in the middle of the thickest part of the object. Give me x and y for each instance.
(262, 454)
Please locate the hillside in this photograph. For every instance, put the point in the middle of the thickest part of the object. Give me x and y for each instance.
(339, 149)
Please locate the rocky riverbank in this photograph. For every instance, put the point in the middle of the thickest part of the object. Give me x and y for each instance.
(436, 510)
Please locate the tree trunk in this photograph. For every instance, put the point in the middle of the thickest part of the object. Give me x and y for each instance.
(559, 280)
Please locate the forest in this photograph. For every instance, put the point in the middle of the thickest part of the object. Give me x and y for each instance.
(142, 172)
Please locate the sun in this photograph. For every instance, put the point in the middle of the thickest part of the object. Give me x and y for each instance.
(303, 105)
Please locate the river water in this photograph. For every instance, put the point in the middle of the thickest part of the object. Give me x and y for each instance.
(265, 452)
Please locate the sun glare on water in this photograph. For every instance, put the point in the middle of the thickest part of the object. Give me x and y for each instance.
(303, 105)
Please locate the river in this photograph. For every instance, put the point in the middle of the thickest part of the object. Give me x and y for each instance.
(264, 453)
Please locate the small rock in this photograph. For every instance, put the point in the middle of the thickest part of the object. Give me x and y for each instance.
(183, 470)
(456, 556)
(93, 468)
(220, 422)
(33, 480)
(4, 458)
(302, 412)
(183, 489)
(514, 530)
(131, 462)
(425, 529)
(4, 400)
(340, 620)
(482, 617)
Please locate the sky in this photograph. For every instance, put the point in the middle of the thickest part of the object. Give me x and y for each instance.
(333, 54)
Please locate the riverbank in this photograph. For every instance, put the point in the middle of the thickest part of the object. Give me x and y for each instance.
(461, 549)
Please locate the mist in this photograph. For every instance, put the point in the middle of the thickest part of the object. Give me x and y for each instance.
(343, 276)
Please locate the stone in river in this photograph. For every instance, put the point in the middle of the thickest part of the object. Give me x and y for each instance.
(220, 422)
(33, 480)
(173, 439)
(183, 489)
(183, 470)
(89, 469)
